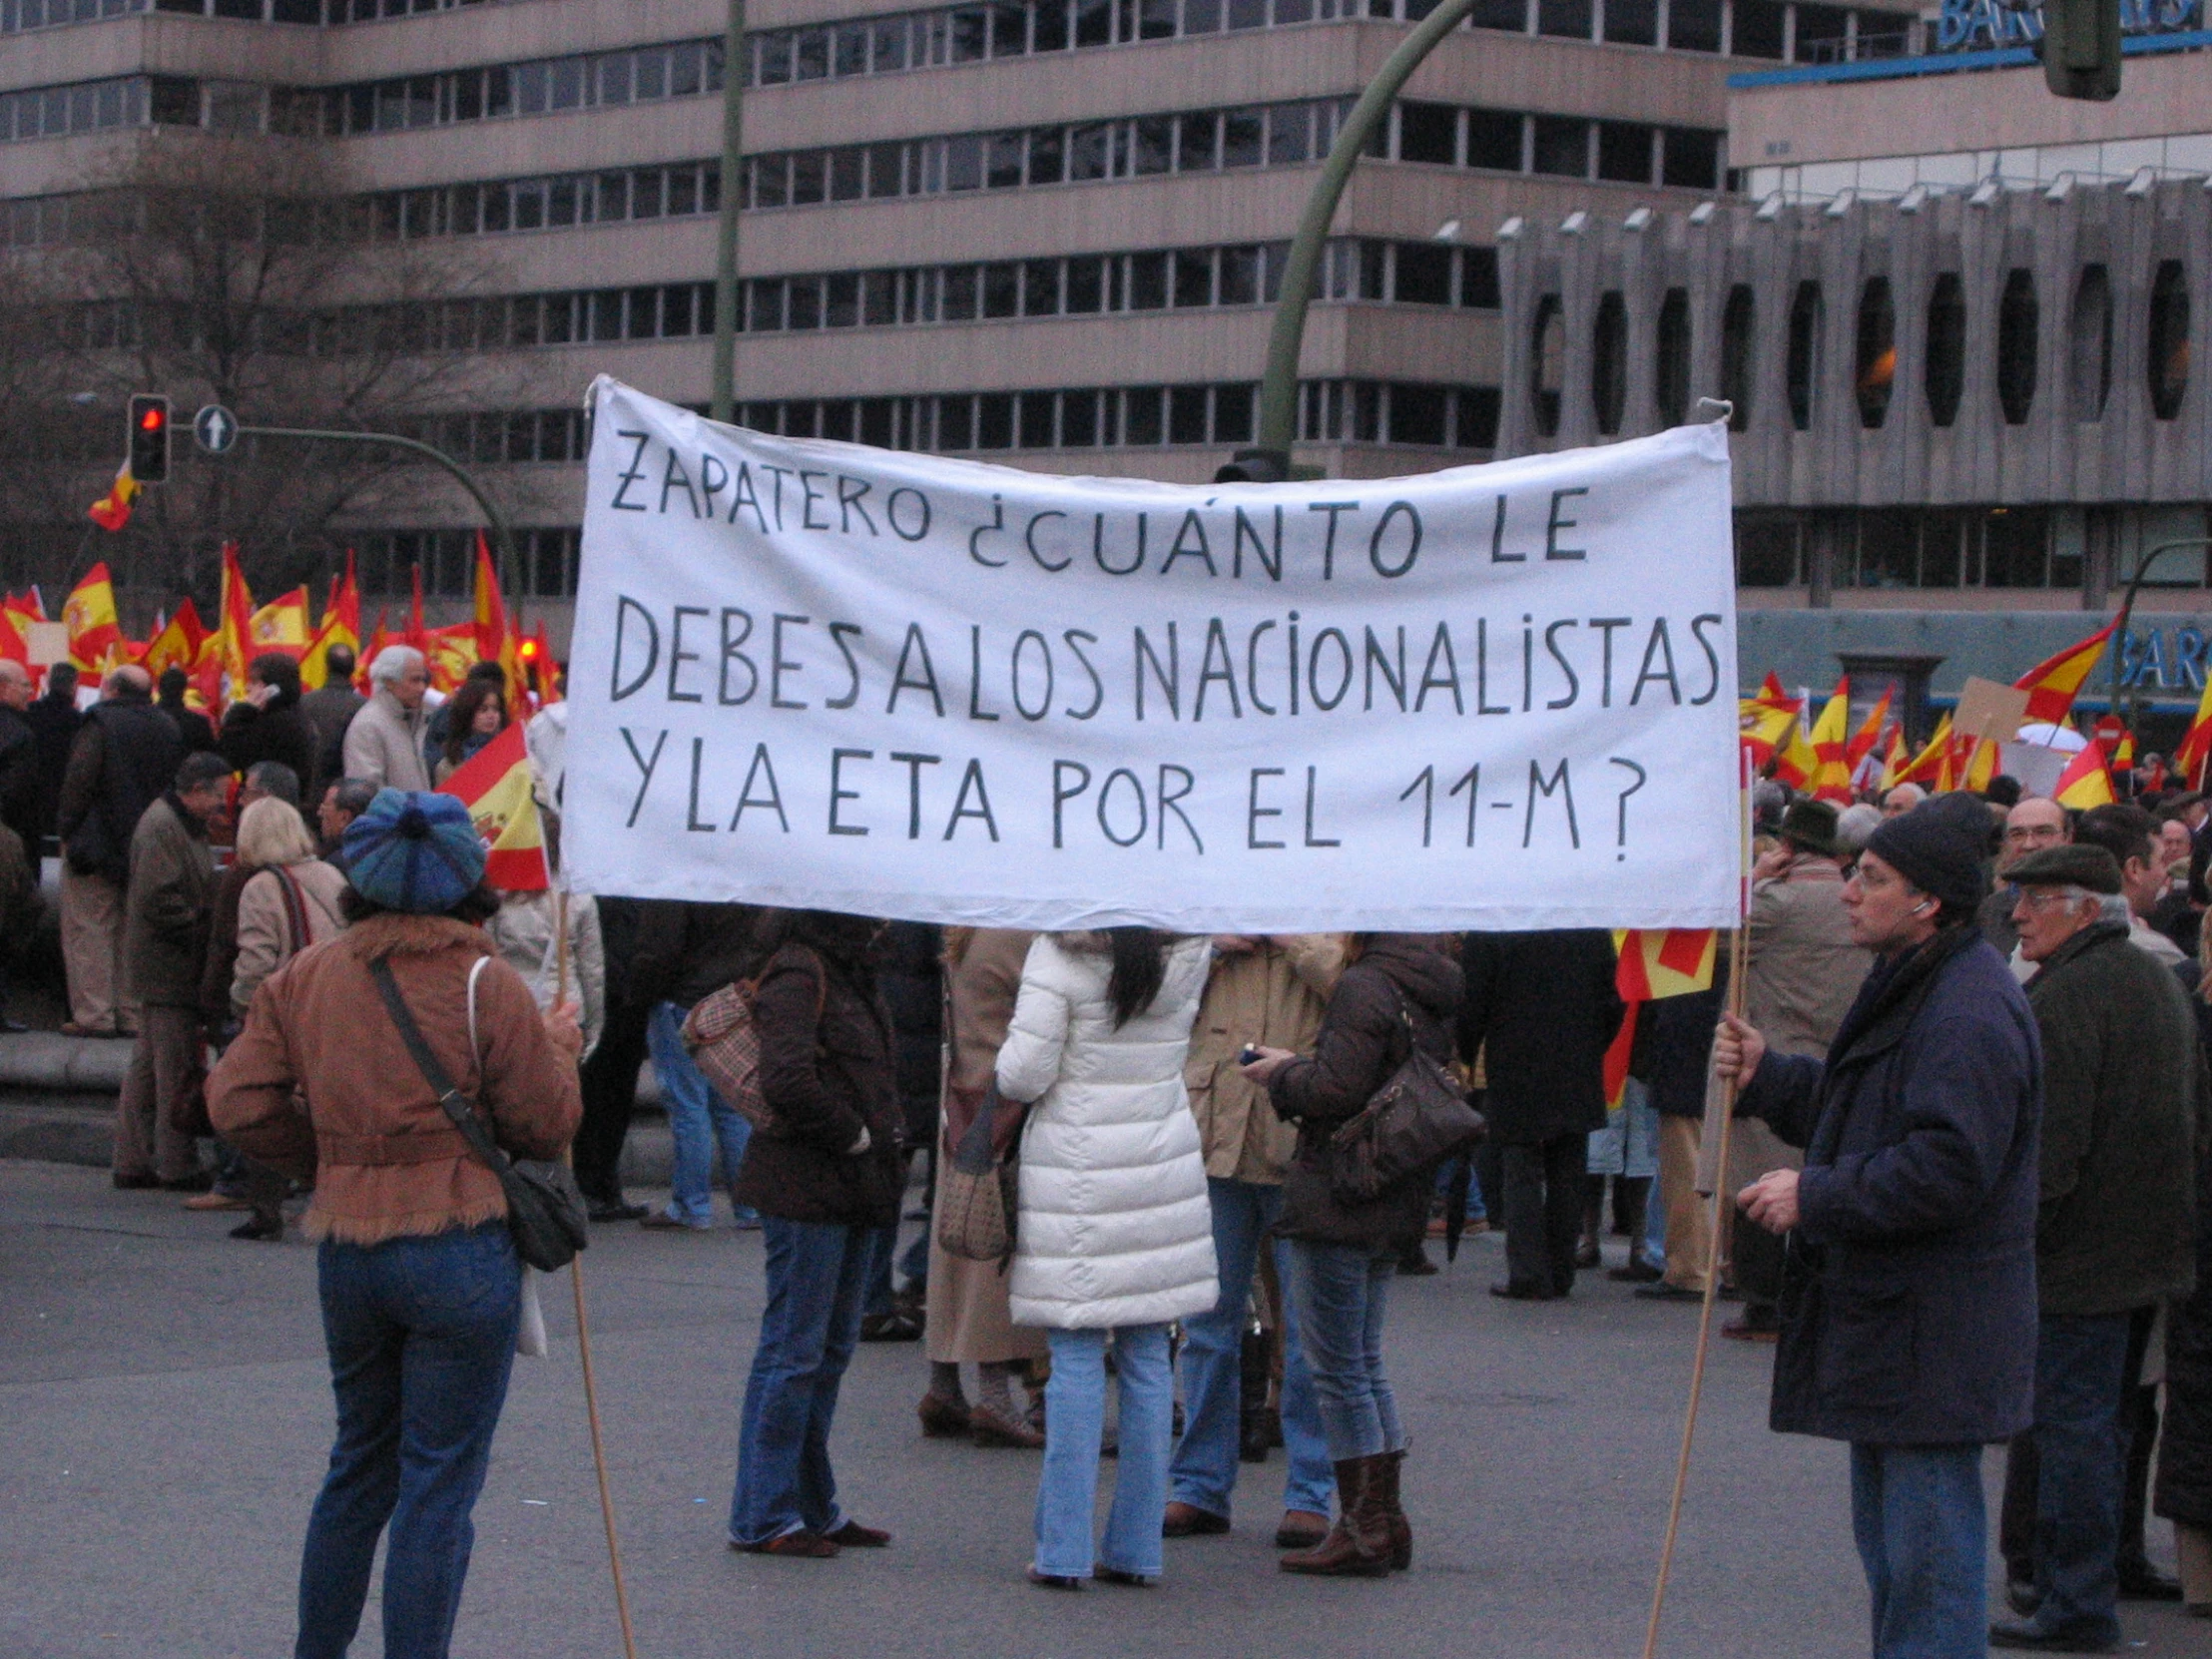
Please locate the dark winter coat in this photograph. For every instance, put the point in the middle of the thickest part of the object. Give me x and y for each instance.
(2122, 1089)
(281, 733)
(165, 910)
(824, 1077)
(19, 777)
(55, 723)
(687, 951)
(1909, 1298)
(125, 756)
(1361, 1042)
(913, 977)
(330, 710)
(192, 726)
(1674, 1050)
(2184, 1489)
(1542, 1009)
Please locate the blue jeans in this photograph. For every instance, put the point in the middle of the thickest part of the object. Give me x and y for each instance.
(697, 1118)
(1075, 1417)
(1918, 1515)
(1342, 1291)
(1204, 1471)
(816, 1276)
(2081, 1469)
(422, 1334)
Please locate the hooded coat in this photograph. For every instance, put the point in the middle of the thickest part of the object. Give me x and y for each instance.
(1908, 1311)
(1115, 1227)
(1399, 983)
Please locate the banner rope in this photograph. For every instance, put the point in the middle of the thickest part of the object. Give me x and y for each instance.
(1738, 976)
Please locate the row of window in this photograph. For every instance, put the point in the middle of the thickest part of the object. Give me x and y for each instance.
(1873, 347)
(385, 562)
(1805, 33)
(1206, 141)
(1996, 547)
(592, 80)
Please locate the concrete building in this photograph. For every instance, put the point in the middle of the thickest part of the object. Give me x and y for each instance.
(1962, 380)
(1043, 231)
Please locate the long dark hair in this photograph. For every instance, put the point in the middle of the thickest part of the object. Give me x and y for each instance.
(460, 721)
(1140, 965)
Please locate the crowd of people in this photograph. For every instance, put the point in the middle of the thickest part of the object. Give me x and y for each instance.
(1962, 1195)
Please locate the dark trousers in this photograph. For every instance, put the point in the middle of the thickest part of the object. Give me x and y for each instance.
(1544, 1209)
(421, 1333)
(2080, 1471)
(610, 1088)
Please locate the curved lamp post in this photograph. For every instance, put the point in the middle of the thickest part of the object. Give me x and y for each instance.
(2127, 610)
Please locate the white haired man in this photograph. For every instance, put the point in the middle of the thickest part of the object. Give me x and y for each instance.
(383, 743)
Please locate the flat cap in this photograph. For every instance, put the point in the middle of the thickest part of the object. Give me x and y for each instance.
(2073, 865)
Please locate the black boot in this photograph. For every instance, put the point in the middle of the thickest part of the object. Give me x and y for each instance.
(1593, 1219)
(1359, 1545)
(1251, 1403)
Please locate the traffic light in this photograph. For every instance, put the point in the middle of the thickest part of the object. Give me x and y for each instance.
(150, 438)
(2081, 48)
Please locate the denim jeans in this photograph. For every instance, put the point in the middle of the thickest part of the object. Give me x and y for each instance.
(697, 1118)
(1918, 1515)
(1342, 1291)
(2081, 1471)
(1075, 1415)
(816, 1278)
(1204, 1470)
(422, 1334)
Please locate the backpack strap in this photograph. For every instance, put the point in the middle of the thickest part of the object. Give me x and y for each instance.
(295, 908)
(457, 1106)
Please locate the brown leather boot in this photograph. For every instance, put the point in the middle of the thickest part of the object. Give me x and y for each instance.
(1359, 1545)
(1402, 1529)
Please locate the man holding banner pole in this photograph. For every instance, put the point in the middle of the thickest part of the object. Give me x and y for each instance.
(1909, 1316)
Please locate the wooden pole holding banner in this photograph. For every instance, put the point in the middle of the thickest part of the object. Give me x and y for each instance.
(1738, 977)
(583, 1331)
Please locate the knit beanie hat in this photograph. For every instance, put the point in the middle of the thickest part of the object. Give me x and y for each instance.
(1939, 847)
(414, 851)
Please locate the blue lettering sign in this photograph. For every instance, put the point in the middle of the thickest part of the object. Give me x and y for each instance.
(1979, 25)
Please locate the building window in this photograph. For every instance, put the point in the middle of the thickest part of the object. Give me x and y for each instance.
(1802, 370)
(1758, 29)
(1671, 377)
(1547, 346)
(2089, 344)
(1694, 25)
(1877, 368)
(1767, 552)
(1609, 363)
(1735, 356)
(1946, 369)
(2169, 339)
(2016, 548)
(2016, 342)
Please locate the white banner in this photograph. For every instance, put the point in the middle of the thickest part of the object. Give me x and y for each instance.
(814, 674)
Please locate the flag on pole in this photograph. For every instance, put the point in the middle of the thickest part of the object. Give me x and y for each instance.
(113, 510)
(495, 787)
(2087, 782)
(1654, 963)
(177, 643)
(1830, 780)
(282, 625)
(1863, 740)
(1973, 762)
(1932, 761)
(2052, 684)
(1897, 759)
(88, 613)
(233, 628)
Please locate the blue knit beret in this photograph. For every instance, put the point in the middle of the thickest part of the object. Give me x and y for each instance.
(414, 851)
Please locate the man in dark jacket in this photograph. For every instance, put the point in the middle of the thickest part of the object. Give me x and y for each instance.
(192, 726)
(165, 944)
(54, 722)
(686, 952)
(610, 1075)
(2123, 1081)
(125, 756)
(1542, 1009)
(19, 784)
(331, 709)
(1908, 1302)
(269, 724)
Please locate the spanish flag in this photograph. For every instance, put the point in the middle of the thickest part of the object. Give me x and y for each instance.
(233, 628)
(2193, 749)
(1896, 762)
(2052, 684)
(89, 616)
(1931, 761)
(177, 642)
(280, 625)
(1765, 720)
(1654, 963)
(113, 510)
(1869, 734)
(2087, 782)
(1830, 777)
(495, 787)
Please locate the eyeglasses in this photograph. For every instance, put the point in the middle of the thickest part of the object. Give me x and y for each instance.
(2042, 899)
(2022, 835)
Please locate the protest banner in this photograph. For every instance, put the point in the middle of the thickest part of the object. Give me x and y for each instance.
(816, 673)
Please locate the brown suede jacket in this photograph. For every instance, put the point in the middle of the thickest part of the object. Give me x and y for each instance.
(384, 1158)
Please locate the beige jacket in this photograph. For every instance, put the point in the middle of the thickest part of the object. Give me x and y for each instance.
(523, 932)
(265, 932)
(1271, 995)
(982, 978)
(384, 743)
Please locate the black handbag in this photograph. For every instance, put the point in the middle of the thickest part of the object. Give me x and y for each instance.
(545, 1208)
(1408, 1128)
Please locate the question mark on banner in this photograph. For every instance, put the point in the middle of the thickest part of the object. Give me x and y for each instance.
(1620, 838)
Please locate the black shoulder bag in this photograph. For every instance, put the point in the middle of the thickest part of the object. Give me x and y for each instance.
(545, 1209)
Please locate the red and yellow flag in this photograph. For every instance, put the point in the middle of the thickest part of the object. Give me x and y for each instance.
(450, 653)
(1897, 759)
(2196, 746)
(1869, 734)
(1765, 720)
(378, 637)
(2052, 684)
(1830, 780)
(233, 628)
(1932, 762)
(2087, 782)
(1654, 963)
(177, 642)
(113, 510)
(280, 625)
(90, 615)
(1973, 763)
(495, 787)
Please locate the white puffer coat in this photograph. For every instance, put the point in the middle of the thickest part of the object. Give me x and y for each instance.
(1115, 1226)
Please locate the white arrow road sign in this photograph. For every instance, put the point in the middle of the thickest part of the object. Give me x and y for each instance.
(216, 427)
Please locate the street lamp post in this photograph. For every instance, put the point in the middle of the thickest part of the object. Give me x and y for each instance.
(722, 405)
(2127, 610)
(1270, 460)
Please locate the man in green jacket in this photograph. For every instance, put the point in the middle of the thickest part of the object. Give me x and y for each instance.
(2123, 1082)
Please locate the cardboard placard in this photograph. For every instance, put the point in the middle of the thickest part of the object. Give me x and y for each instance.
(46, 643)
(1988, 709)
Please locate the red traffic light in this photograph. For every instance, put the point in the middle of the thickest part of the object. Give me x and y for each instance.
(154, 419)
(530, 651)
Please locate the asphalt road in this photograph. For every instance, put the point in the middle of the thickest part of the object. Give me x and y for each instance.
(165, 1415)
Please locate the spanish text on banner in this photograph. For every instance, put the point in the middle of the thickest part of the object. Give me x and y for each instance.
(814, 674)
